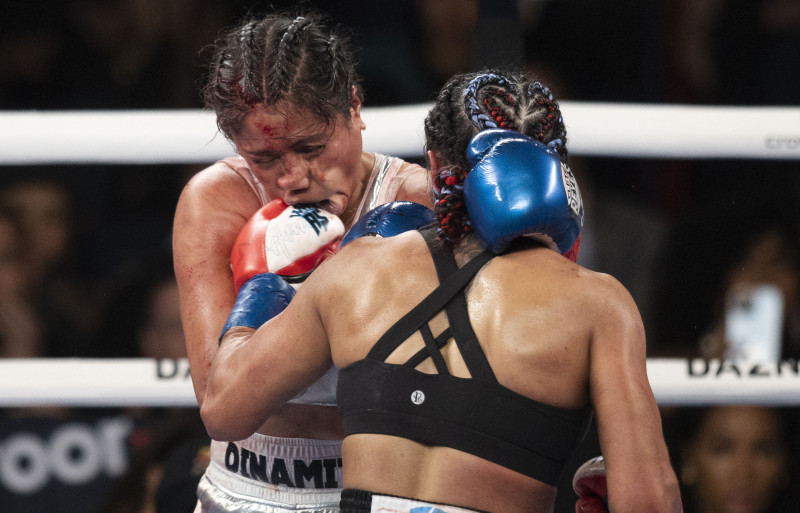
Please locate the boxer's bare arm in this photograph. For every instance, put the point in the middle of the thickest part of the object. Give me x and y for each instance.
(416, 187)
(272, 363)
(212, 209)
(639, 475)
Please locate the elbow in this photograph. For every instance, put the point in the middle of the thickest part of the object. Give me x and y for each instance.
(220, 425)
(660, 497)
(211, 420)
(673, 494)
(670, 494)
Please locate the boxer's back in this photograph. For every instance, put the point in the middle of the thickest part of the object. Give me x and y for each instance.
(533, 312)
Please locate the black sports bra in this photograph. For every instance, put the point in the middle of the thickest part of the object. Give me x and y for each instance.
(476, 415)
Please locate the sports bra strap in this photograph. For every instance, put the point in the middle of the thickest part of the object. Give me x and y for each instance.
(471, 351)
(428, 307)
(432, 349)
(423, 353)
(467, 341)
(443, 260)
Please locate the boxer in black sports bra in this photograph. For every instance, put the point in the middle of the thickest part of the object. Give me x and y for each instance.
(474, 400)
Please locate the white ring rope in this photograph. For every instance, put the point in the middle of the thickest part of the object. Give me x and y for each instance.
(190, 136)
(148, 382)
(595, 129)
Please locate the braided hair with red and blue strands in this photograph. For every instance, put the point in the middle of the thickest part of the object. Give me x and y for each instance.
(470, 103)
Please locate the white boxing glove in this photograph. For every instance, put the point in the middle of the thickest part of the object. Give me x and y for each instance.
(290, 241)
(273, 254)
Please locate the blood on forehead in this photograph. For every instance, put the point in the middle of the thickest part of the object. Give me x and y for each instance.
(265, 129)
(271, 128)
(291, 128)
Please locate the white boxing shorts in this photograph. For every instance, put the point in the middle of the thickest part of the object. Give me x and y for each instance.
(265, 474)
(361, 501)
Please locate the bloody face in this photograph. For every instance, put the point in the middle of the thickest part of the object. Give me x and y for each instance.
(301, 159)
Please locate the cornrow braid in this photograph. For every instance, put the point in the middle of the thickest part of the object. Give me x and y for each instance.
(474, 110)
(448, 205)
(278, 59)
(501, 105)
(287, 57)
(245, 85)
(551, 129)
(333, 57)
(473, 102)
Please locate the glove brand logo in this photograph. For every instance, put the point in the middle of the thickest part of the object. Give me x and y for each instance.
(417, 397)
(312, 216)
(572, 190)
(299, 231)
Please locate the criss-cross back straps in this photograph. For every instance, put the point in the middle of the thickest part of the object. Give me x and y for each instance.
(452, 282)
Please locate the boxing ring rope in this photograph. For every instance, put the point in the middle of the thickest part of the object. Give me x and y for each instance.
(596, 129)
(191, 137)
(150, 382)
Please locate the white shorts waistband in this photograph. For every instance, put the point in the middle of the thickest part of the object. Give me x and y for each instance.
(272, 463)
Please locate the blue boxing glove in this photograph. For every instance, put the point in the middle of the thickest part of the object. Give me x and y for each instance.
(261, 298)
(519, 187)
(390, 219)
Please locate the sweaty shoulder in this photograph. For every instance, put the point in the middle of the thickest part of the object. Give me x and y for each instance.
(607, 293)
(362, 290)
(542, 275)
(416, 185)
(220, 186)
(372, 253)
(607, 304)
(212, 209)
(371, 267)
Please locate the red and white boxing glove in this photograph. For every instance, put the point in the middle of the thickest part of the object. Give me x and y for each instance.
(275, 251)
(290, 241)
(589, 483)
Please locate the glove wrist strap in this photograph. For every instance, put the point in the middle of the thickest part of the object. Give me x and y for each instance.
(261, 298)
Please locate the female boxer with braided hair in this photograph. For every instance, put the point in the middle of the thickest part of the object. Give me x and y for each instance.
(286, 94)
(492, 347)
(467, 105)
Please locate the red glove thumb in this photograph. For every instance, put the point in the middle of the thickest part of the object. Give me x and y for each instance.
(590, 505)
(590, 485)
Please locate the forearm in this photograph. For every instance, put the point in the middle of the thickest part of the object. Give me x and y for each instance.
(640, 477)
(202, 343)
(205, 303)
(660, 497)
(212, 209)
(228, 410)
(254, 373)
(238, 364)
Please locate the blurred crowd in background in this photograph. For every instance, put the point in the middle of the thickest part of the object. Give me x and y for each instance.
(85, 263)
